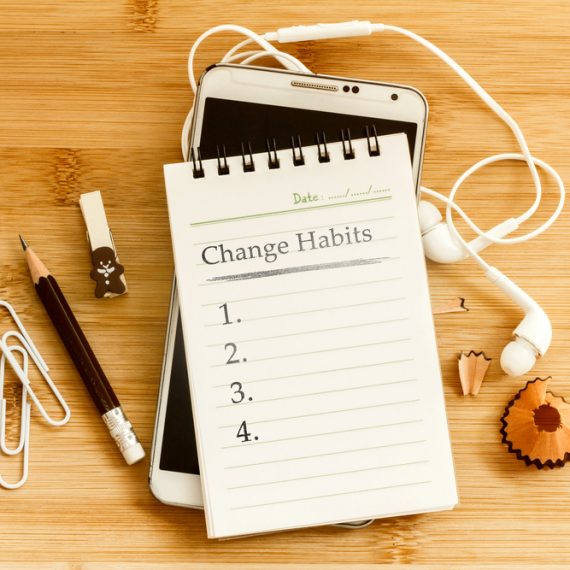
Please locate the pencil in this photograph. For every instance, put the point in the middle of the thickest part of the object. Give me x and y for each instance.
(83, 357)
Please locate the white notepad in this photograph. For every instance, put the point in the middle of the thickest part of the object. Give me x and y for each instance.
(315, 379)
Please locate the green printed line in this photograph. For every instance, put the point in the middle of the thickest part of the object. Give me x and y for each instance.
(293, 210)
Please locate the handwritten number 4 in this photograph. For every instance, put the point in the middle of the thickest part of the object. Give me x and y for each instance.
(244, 434)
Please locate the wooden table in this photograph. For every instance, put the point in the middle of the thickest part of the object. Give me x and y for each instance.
(93, 95)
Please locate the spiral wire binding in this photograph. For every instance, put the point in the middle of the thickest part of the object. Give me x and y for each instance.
(372, 151)
(323, 152)
(197, 171)
(298, 156)
(247, 161)
(273, 161)
(347, 149)
(223, 167)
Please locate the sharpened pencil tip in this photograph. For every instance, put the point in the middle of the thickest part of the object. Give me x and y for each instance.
(24, 243)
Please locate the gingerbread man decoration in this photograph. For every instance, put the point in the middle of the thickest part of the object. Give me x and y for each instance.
(107, 273)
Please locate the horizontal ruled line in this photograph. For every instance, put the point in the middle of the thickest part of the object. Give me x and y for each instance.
(322, 392)
(306, 436)
(314, 331)
(333, 349)
(313, 497)
(301, 291)
(314, 455)
(322, 475)
(289, 211)
(298, 230)
(316, 372)
(327, 413)
(328, 309)
(336, 348)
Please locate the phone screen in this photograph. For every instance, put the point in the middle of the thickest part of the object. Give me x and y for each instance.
(233, 124)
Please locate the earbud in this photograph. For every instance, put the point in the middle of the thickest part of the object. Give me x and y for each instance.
(441, 246)
(533, 335)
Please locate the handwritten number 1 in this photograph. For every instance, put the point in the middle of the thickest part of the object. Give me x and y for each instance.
(224, 308)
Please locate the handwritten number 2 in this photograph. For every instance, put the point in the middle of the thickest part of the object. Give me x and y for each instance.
(231, 346)
(233, 350)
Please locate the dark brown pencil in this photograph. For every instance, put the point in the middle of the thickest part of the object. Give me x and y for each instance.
(84, 359)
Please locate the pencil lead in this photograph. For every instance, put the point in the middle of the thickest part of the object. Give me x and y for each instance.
(24, 243)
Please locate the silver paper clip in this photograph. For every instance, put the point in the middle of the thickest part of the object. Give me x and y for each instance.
(24, 378)
(24, 442)
(24, 333)
(23, 435)
(27, 349)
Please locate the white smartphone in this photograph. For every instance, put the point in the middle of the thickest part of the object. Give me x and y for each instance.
(238, 106)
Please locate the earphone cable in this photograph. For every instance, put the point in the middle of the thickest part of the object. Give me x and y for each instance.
(290, 62)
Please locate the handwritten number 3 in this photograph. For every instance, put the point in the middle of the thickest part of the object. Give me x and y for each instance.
(238, 392)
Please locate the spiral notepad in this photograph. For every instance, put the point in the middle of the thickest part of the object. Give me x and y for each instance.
(313, 365)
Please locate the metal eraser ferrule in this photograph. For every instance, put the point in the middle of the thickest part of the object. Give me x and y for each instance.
(122, 432)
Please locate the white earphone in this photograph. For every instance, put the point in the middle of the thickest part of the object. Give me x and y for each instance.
(441, 240)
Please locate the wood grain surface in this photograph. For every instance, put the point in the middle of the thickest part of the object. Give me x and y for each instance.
(93, 95)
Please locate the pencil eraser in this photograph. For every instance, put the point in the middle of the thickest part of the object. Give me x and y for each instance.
(133, 454)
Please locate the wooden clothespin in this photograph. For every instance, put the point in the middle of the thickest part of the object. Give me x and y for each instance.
(107, 272)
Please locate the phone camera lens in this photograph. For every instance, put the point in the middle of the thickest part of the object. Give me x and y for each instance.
(394, 97)
(346, 88)
(355, 89)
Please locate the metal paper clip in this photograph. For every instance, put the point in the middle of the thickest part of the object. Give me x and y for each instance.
(7, 350)
(5, 449)
(27, 349)
(24, 442)
(21, 328)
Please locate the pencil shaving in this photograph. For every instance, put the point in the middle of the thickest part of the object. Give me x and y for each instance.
(472, 369)
(536, 426)
(456, 305)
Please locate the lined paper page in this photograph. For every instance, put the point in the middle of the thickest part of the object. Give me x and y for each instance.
(314, 374)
